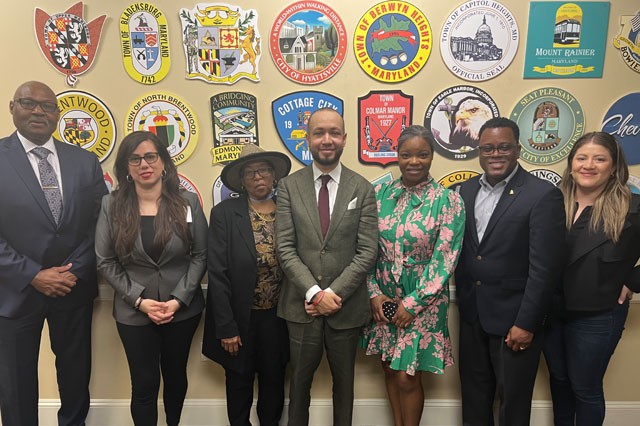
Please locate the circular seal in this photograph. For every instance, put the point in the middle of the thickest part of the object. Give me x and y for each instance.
(108, 180)
(86, 121)
(170, 118)
(308, 42)
(392, 41)
(189, 186)
(548, 175)
(623, 122)
(634, 184)
(220, 192)
(479, 40)
(454, 179)
(550, 121)
(628, 42)
(455, 117)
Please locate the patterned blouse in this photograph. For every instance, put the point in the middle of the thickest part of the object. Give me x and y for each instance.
(267, 290)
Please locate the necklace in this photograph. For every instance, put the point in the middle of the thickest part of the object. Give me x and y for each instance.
(262, 218)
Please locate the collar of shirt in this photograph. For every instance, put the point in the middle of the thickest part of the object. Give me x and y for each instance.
(335, 173)
(28, 145)
(504, 182)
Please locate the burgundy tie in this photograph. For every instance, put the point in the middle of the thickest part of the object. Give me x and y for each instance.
(323, 205)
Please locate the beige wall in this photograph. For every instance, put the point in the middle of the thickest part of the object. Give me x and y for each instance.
(108, 80)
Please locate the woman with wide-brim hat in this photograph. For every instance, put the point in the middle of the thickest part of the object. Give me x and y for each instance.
(242, 331)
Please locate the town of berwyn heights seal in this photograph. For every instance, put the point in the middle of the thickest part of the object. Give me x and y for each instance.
(85, 121)
(479, 40)
(308, 42)
(455, 117)
(144, 38)
(235, 123)
(221, 43)
(291, 115)
(550, 121)
(67, 41)
(382, 116)
(628, 42)
(170, 118)
(392, 41)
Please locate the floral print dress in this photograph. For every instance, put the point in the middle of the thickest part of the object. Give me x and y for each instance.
(421, 231)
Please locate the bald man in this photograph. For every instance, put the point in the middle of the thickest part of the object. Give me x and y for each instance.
(50, 194)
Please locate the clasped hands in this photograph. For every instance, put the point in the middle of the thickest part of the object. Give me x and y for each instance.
(330, 303)
(159, 312)
(56, 281)
(401, 319)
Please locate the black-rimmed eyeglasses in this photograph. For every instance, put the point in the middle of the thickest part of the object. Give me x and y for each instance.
(503, 149)
(149, 157)
(262, 172)
(31, 104)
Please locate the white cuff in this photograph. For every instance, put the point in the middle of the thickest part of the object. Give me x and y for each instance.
(312, 292)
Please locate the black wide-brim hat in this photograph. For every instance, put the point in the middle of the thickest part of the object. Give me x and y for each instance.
(250, 153)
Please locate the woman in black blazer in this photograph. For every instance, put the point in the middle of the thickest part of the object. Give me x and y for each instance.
(151, 247)
(242, 331)
(603, 233)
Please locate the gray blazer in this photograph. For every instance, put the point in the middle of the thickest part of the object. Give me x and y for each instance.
(340, 261)
(177, 273)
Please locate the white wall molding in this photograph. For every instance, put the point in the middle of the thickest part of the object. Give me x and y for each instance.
(367, 412)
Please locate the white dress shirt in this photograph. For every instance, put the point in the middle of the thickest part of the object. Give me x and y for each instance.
(487, 200)
(332, 188)
(33, 159)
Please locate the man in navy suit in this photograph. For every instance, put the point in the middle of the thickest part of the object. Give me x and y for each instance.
(51, 194)
(511, 259)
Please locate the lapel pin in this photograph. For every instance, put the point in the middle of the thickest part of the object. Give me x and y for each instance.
(511, 192)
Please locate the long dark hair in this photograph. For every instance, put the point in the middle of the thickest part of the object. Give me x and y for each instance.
(171, 216)
(611, 207)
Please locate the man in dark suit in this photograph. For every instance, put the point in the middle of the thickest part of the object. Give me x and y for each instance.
(326, 239)
(511, 259)
(50, 195)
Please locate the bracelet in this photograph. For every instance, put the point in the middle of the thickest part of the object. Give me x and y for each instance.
(317, 302)
(138, 303)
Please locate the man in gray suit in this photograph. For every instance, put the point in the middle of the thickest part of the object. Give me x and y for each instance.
(327, 235)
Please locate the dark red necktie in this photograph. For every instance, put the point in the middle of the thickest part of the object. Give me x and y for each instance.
(323, 205)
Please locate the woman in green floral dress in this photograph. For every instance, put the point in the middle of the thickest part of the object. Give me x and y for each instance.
(420, 225)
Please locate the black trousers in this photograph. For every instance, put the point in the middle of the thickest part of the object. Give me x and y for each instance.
(268, 359)
(152, 349)
(488, 367)
(70, 336)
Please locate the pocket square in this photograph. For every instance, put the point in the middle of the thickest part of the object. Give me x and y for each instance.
(352, 204)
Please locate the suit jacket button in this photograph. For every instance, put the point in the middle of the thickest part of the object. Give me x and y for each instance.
(323, 251)
(478, 282)
(479, 257)
(319, 277)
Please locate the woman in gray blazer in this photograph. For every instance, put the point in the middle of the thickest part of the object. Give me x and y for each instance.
(151, 246)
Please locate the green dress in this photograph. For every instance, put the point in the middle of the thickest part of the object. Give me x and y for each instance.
(420, 238)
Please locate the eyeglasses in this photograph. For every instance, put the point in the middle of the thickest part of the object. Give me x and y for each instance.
(30, 104)
(149, 157)
(503, 149)
(262, 172)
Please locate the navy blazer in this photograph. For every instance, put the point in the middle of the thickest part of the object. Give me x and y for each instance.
(31, 241)
(597, 268)
(508, 278)
(233, 276)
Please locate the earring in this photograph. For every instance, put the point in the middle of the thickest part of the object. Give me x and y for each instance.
(129, 178)
(275, 183)
(164, 173)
